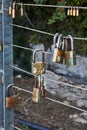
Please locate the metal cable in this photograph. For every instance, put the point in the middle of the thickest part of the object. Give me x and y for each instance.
(46, 33)
(50, 6)
(53, 100)
(21, 89)
(17, 128)
(31, 29)
(19, 69)
(30, 49)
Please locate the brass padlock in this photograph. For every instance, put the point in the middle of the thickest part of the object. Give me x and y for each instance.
(77, 11)
(21, 10)
(71, 11)
(69, 54)
(36, 91)
(38, 67)
(58, 50)
(74, 11)
(42, 87)
(15, 10)
(11, 101)
(10, 9)
(1, 46)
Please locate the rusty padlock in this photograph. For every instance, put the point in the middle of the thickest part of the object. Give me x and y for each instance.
(38, 67)
(42, 87)
(11, 101)
(36, 91)
(58, 50)
(69, 54)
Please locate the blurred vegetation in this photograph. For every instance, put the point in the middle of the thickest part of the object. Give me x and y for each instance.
(50, 20)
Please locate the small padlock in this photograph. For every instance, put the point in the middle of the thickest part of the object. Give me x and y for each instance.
(77, 11)
(38, 67)
(15, 10)
(42, 87)
(71, 11)
(68, 11)
(1, 46)
(58, 50)
(21, 9)
(69, 54)
(74, 11)
(11, 101)
(36, 91)
(10, 9)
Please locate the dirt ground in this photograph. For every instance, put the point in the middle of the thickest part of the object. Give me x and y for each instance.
(45, 113)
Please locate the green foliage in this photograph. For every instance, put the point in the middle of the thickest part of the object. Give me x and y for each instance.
(59, 14)
(39, 1)
(84, 49)
(50, 20)
(21, 56)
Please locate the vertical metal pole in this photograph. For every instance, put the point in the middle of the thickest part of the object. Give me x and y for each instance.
(7, 58)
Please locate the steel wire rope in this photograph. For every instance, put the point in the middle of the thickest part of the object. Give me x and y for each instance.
(53, 100)
(43, 32)
(19, 69)
(31, 49)
(50, 6)
(67, 84)
(17, 128)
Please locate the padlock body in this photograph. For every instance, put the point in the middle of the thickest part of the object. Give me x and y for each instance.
(42, 92)
(11, 101)
(36, 95)
(58, 56)
(70, 58)
(38, 68)
(15, 13)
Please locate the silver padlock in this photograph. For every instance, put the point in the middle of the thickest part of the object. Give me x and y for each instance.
(70, 58)
(58, 50)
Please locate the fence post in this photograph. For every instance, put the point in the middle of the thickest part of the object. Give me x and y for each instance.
(6, 58)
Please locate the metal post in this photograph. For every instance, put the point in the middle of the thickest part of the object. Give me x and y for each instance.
(6, 58)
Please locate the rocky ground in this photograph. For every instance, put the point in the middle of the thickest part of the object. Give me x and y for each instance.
(48, 113)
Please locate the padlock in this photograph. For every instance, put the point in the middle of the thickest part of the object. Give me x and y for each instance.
(36, 91)
(11, 101)
(38, 67)
(21, 9)
(10, 9)
(1, 46)
(15, 10)
(74, 11)
(42, 87)
(58, 50)
(69, 54)
(71, 11)
(77, 11)
(68, 11)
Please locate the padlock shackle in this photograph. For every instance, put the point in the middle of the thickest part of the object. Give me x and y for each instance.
(43, 55)
(7, 89)
(58, 40)
(55, 39)
(14, 4)
(71, 38)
